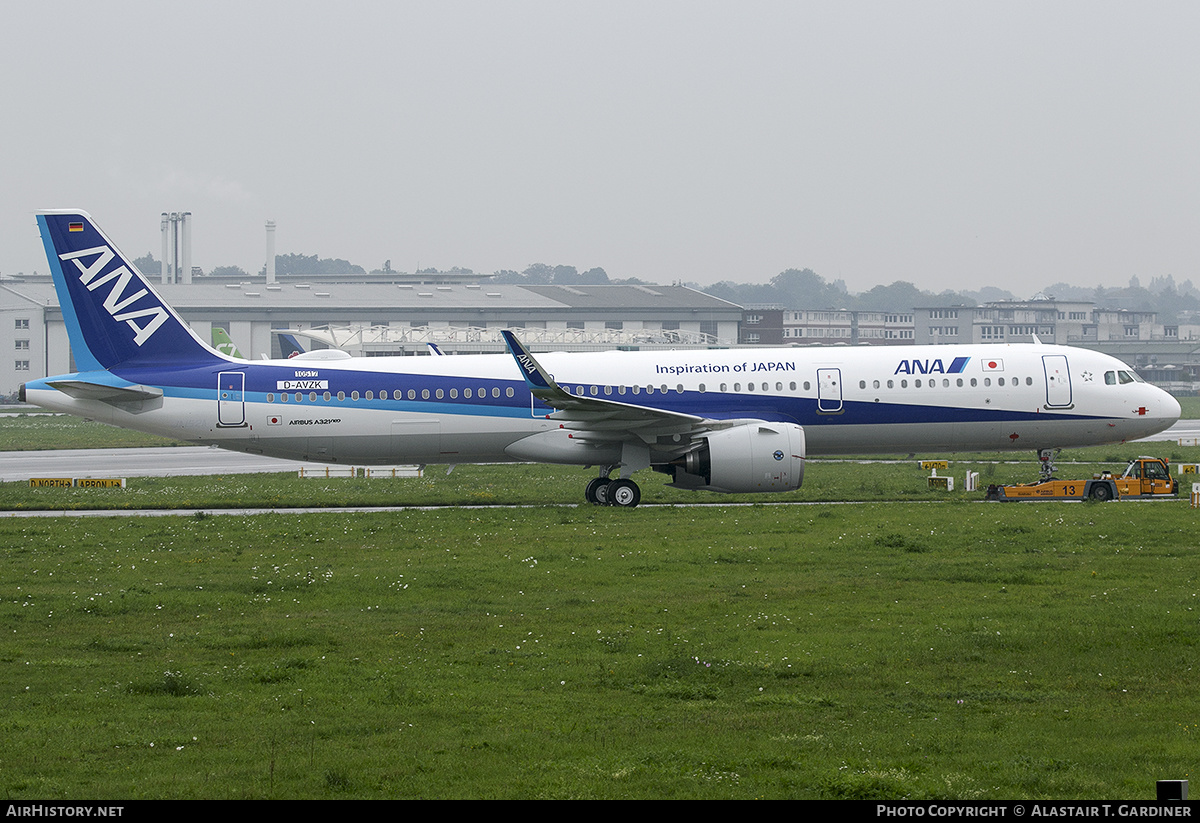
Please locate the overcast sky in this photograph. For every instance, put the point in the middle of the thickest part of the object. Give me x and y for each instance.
(952, 144)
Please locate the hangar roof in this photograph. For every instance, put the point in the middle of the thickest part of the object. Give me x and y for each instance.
(250, 296)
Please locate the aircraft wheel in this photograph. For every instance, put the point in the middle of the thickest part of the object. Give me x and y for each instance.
(624, 493)
(596, 492)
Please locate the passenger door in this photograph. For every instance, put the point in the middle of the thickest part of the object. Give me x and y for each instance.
(1058, 381)
(829, 391)
(231, 399)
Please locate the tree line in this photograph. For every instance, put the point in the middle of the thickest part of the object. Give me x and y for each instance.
(798, 289)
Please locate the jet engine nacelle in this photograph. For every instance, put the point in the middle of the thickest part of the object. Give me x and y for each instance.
(755, 457)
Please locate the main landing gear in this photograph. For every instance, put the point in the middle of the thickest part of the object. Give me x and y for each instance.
(620, 492)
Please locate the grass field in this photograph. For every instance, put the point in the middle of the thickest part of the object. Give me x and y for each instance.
(830, 480)
(1190, 407)
(24, 431)
(915, 650)
(932, 647)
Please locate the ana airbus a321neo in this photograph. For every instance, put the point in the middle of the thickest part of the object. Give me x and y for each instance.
(728, 420)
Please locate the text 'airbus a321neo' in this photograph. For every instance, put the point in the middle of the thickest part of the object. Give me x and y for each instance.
(731, 420)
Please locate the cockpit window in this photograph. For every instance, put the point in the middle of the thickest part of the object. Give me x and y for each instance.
(1110, 378)
(1125, 377)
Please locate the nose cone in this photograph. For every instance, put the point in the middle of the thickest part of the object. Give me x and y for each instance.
(1161, 411)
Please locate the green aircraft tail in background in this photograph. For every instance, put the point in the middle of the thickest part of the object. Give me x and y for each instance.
(222, 343)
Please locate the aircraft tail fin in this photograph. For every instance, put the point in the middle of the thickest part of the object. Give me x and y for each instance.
(113, 315)
(222, 343)
(289, 345)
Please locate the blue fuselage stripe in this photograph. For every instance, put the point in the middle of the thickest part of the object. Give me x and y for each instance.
(200, 383)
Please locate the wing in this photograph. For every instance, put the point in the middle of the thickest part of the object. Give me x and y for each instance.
(596, 419)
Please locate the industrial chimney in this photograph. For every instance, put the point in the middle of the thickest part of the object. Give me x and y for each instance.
(173, 270)
(166, 270)
(270, 252)
(185, 269)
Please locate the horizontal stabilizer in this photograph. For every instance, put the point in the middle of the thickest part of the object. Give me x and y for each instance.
(86, 390)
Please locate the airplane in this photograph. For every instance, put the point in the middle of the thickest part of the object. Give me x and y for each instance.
(222, 343)
(289, 345)
(728, 420)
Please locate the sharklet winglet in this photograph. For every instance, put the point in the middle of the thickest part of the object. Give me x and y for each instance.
(535, 376)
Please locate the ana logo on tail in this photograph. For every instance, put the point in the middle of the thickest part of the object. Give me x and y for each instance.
(116, 303)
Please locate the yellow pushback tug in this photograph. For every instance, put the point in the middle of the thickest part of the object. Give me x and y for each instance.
(1144, 477)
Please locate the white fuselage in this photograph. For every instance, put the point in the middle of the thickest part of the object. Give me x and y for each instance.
(463, 409)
